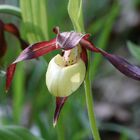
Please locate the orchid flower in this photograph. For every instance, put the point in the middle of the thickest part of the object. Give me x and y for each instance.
(66, 71)
(11, 28)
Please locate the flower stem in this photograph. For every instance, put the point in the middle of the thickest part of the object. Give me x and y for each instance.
(90, 108)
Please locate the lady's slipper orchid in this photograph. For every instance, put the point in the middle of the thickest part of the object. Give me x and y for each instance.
(66, 72)
(11, 28)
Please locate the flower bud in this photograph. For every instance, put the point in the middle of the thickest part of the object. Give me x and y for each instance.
(63, 80)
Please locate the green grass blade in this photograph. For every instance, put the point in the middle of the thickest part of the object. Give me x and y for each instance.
(20, 132)
(97, 25)
(120, 129)
(103, 39)
(134, 50)
(18, 90)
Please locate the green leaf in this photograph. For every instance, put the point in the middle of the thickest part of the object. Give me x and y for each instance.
(12, 10)
(134, 50)
(18, 93)
(75, 13)
(83, 134)
(5, 134)
(16, 133)
(35, 21)
(34, 14)
(132, 135)
(97, 25)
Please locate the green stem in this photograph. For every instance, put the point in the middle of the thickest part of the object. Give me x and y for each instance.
(90, 108)
(75, 13)
(60, 131)
(12, 10)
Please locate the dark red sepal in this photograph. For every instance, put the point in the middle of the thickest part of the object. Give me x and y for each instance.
(36, 50)
(123, 65)
(33, 51)
(120, 63)
(88, 45)
(84, 56)
(3, 46)
(9, 75)
(59, 104)
(11, 28)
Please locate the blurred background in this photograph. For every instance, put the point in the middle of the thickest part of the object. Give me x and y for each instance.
(114, 25)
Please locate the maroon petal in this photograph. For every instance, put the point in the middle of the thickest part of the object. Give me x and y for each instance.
(36, 50)
(59, 104)
(33, 51)
(120, 63)
(3, 46)
(123, 66)
(86, 37)
(84, 56)
(88, 45)
(14, 30)
(9, 75)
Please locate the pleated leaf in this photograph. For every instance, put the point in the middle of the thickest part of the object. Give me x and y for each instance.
(34, 16)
